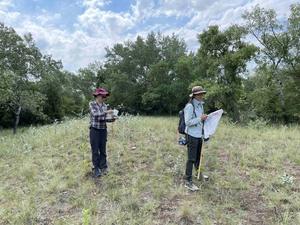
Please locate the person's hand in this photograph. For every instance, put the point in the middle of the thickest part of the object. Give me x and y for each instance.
(110, 111)
(203, 117)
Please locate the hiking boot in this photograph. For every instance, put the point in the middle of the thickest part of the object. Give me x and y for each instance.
(189, 185)
(97, 172)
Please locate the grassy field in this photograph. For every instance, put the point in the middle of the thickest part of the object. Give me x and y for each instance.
(45, 176)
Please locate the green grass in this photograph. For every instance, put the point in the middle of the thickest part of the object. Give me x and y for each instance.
(45, 175)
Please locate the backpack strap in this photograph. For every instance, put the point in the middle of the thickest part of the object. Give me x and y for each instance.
(194, 109)
(191, 102)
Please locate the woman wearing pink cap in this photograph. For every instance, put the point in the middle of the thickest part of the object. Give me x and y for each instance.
(98, 131)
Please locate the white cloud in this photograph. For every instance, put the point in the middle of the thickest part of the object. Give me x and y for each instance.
(76, 49)
(143, 9)
(48, 18)
(204, 13)
(180, 8)
(96, 28)
(5, 4)
(9, 17)
(105, 22)
(95, 3)
(5, 13)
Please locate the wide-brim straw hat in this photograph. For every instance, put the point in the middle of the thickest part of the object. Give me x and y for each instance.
(197, 90)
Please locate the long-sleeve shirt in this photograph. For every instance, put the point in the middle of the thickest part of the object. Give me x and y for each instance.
(192, 118)
(97, 115)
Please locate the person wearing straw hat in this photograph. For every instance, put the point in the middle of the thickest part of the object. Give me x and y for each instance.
(98, 131)
(194, 117)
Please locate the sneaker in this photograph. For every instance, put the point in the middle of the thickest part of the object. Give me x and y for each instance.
(189, 185)
(97, 172)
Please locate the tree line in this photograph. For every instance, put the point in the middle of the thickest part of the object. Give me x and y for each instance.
(153, 75)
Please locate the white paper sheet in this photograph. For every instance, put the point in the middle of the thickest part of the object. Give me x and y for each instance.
(116, 112)
(211, 123)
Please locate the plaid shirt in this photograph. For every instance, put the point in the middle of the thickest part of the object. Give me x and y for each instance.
(97, 115)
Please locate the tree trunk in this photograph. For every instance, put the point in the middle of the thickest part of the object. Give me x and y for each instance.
(17, 119)
(236, 114)
(282, 102)
(281, 97)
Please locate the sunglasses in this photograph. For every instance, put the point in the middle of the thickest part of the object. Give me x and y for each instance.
(103, 96)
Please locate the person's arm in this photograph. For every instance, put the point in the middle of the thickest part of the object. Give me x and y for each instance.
(94, 110)
(189, 117)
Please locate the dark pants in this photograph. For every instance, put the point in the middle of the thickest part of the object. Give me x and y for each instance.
(194, 146)
(98, 139)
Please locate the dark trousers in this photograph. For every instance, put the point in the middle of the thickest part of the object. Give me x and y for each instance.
(194, 146)
(98, 139)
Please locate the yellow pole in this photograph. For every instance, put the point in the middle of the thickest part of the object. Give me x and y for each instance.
(201, 159)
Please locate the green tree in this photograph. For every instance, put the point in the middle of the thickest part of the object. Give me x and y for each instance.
(278, 58)
(144, 70)
(223, 58)
(19, 69)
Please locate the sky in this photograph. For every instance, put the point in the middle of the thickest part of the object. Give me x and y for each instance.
(77, 31)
